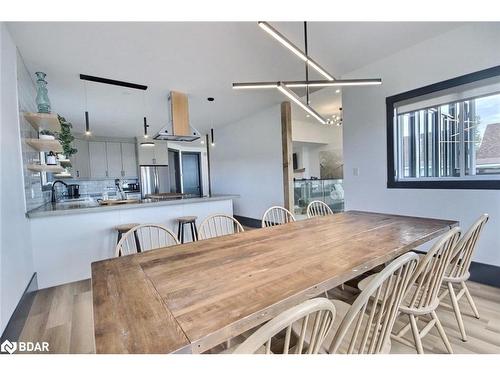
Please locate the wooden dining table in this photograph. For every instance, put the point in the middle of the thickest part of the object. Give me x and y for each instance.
(189, 298)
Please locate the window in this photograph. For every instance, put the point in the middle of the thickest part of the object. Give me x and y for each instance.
(446, 135)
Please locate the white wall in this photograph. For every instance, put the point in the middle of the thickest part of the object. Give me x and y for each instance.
(246, 160)
(463, 50)
(15, 238)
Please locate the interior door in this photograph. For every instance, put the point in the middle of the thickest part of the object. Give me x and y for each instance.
(191, 175)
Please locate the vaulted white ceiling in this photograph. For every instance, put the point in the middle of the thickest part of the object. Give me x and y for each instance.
(201, 59)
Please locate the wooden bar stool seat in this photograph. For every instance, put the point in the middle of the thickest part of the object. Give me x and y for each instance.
(187, 220)
(124, 228)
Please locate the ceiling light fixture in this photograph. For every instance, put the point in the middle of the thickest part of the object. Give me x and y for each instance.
(255, 85)
(87, 123)
(147, 144)
(284, 86)
(296, 50)
(299, 84)
(146, 126)
(212, 143)
(292, 96)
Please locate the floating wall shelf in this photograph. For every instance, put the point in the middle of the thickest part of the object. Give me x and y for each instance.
(45, 145)
(43, 121)
(65, 162)
(45, 168)
(63, 175)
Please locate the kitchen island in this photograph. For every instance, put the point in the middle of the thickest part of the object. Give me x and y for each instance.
(67, 238)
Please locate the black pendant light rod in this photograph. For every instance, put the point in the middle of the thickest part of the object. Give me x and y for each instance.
(146, 126)
(306, 64)
(87, 125)
(212, 136)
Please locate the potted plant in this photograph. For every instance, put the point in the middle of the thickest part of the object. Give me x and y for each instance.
(47, 135)
(66, 138)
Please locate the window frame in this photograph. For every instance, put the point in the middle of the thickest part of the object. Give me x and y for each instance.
(434, 182)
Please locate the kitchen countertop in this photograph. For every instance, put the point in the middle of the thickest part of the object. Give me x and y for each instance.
(90, 206)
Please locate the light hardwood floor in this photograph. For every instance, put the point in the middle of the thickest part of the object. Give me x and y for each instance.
(62, 316)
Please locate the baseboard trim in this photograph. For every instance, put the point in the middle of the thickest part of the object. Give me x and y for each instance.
(485, 274)
(481, 273)
(248, 221)
(18, 319)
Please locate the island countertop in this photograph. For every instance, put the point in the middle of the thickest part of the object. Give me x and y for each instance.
(82, 207)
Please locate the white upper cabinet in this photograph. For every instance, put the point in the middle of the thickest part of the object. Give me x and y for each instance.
(161, 153)
(156, 155)
(80, 161)
(114, 159)
(98, 160)
(129, 160)
(104, 159)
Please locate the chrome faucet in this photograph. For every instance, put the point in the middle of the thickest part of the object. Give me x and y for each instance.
(120, 189)
(53, 190)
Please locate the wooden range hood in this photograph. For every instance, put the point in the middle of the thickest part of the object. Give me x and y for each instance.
(178, 129)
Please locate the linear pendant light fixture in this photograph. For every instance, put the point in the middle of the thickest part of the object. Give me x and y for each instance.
(292, 96)
(318, 84)
(284, 86)
(296, 50)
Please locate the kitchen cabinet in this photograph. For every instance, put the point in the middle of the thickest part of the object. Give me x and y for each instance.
(98, 160)
(101, 159)
(80, 161)
(114, 159)
(129, 160)
(157, 155)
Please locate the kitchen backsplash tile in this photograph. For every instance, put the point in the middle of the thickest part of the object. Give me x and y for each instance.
(93, 187)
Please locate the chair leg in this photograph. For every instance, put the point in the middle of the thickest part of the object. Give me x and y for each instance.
(137, 242)
(416, 335)
(195, 232)
(442, 333)
(182, 233)
(179, 231)
(458, 314)
(193, 238)
(469, 298)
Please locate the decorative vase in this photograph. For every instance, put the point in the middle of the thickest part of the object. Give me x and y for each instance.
(42, 97)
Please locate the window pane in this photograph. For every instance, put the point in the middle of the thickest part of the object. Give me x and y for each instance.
(482, 135)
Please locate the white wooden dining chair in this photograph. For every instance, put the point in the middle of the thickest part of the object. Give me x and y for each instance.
(458, 273)
(276, 215)
(150, 236)
(365, 326)
(423, 298)
(218, 225)
(318, 208)
(319, 313)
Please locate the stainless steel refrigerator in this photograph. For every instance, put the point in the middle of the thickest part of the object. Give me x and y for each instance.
(154, 179)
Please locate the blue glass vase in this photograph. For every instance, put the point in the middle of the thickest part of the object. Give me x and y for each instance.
(42, 97)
